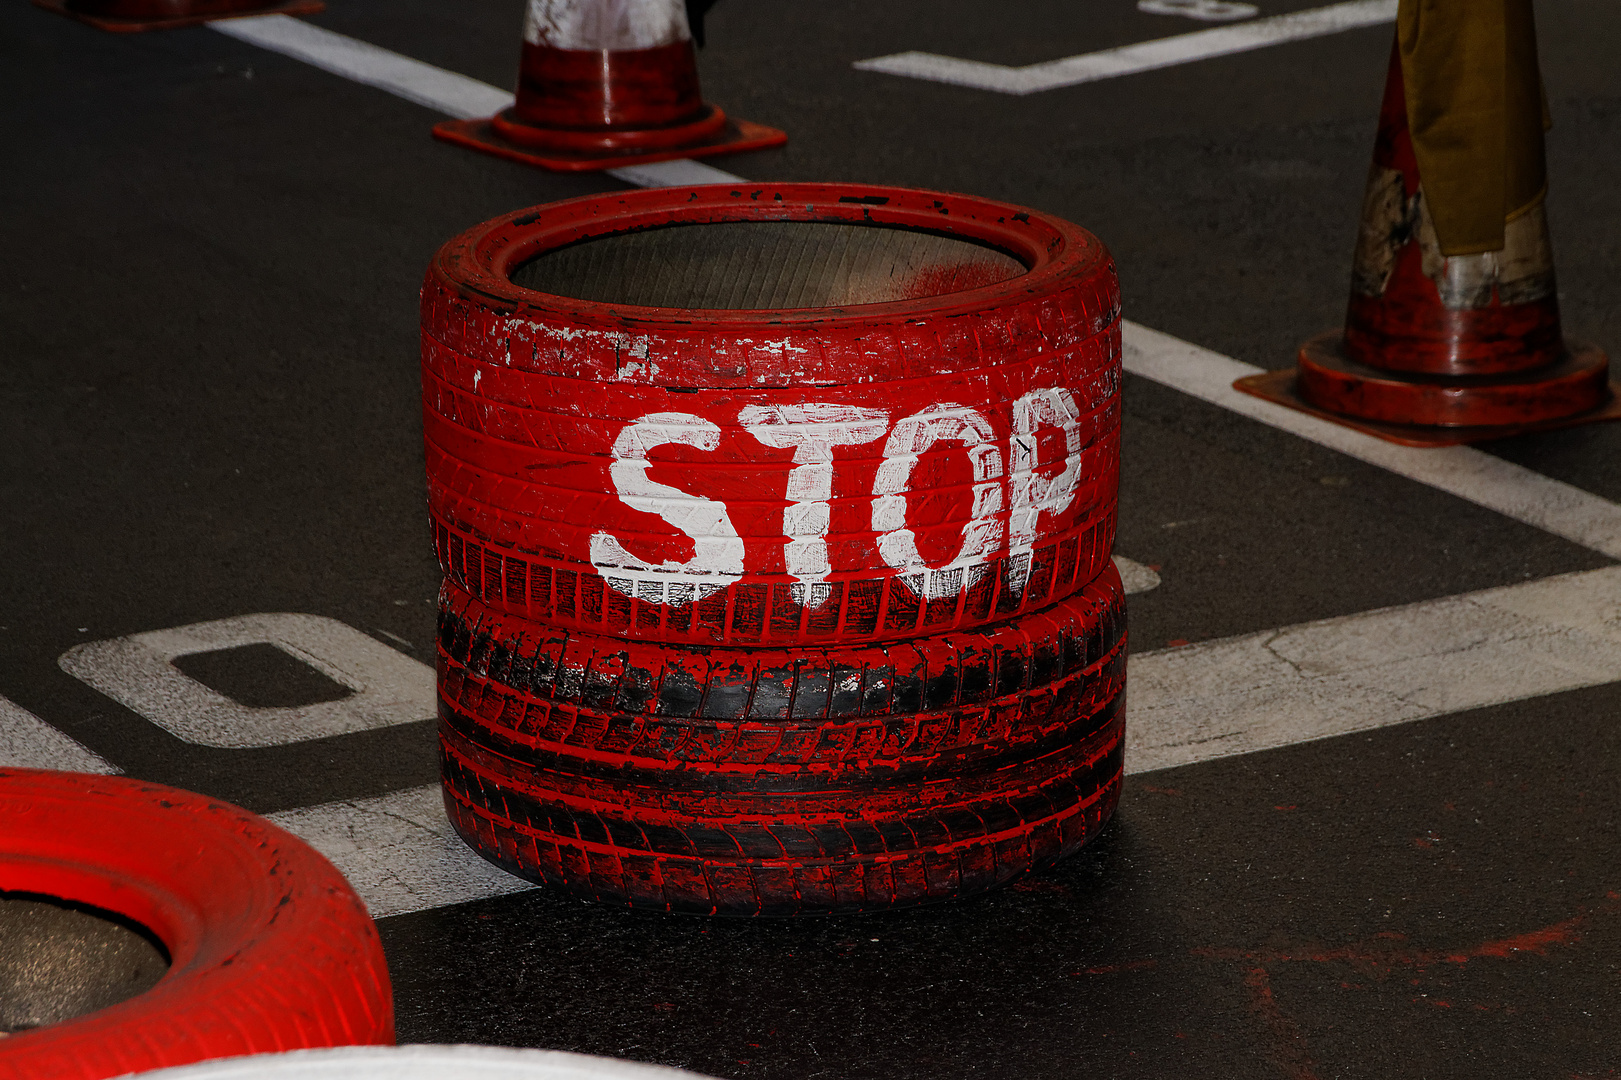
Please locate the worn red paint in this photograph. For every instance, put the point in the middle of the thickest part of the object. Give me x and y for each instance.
(527, 397)
(1386, 959)
(648, 712)
(1288, 1041)
(616, 790)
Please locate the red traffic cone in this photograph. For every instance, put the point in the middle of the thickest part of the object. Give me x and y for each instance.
(1442, 348)
(130, 16)
(606, 83)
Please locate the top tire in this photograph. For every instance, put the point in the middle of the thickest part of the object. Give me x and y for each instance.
(772, 415)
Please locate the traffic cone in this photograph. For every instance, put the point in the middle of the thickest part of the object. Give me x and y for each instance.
(606, 83)
(131, 16)
(1452, 333)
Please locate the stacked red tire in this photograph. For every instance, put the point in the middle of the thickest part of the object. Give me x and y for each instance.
(268, 946)
(777, 553)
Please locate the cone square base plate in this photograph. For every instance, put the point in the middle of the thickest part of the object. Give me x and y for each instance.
(134, 26)
(1279, 387)
(736, 136)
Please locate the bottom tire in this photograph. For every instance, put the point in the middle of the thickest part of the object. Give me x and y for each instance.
(267, 946)
(658, 811)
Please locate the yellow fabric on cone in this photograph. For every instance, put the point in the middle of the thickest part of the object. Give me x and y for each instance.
(1476, 113)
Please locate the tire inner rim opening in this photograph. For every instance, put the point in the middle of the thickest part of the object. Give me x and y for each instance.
(766, 265)
(60, 959)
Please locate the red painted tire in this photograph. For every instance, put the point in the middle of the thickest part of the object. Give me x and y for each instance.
(269, 947)
(596, 786)
(621, 468)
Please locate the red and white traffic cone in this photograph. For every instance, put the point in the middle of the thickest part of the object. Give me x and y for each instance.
(606, 83)
(1438, 348)
(131, 16)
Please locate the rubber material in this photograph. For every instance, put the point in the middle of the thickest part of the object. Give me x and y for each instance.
(539, 696)
(422, 1063)
(269, 946)
(977, 479)
(778, 815)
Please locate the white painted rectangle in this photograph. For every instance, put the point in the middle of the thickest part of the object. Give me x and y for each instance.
(386, 687)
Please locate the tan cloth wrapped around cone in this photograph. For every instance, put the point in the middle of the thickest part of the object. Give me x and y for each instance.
(1476, 111)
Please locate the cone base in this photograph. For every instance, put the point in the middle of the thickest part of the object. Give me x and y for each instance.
(735, 137)
(1282, 388)
(114, 25)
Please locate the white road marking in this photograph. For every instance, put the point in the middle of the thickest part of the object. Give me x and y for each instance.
(27, 742)
(1136, 577)
(682, 172)
(1509, 489)
(135, 671)
(445, 91)
(1133, 59)
(436, 88)
(399, 851)
(1372, 670)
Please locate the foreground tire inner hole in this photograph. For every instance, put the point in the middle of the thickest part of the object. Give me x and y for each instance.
(752, 265)
(60, 959)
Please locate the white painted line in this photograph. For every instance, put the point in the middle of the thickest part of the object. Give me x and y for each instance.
(27, 742)
(1509, 489)
(1372, 670)
(436, 88)
(399, 851)
(1133, 59)
(1136, 577)
(445, 91)
(135, 671)
(682, 172)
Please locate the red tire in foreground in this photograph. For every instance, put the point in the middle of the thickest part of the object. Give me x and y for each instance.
(1006, 755)
(771, 416)
(268, 946)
